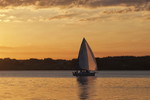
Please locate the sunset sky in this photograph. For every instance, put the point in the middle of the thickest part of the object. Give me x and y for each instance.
(55, 28)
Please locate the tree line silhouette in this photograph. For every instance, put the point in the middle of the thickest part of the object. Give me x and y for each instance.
(105, 63)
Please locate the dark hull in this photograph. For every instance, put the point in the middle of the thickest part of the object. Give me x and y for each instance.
(83, 74)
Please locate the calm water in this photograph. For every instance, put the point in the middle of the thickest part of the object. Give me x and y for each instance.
(61, 85)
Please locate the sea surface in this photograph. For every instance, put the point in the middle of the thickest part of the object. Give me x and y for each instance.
(61, 85)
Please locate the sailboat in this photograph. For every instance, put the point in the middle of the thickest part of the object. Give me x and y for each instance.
(86, 61)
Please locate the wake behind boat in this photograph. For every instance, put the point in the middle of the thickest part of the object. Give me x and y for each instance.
(86, 61)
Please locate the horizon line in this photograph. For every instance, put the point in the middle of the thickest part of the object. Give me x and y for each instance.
(72, 58)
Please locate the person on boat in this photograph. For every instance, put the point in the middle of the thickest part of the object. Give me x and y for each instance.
(87, 71)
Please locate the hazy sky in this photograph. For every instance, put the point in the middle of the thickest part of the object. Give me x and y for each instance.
(55, 28)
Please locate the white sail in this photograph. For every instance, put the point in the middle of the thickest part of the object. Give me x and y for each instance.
(86, 57)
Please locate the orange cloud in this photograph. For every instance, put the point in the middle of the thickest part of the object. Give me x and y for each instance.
(5, 47)
(62, 16)
(138, 4)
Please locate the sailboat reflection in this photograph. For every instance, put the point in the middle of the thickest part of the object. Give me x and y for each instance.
(86, 87)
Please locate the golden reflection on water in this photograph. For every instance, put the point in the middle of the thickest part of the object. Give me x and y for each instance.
(86, 87)
(38, 89)
(81, 88)
(92, 88)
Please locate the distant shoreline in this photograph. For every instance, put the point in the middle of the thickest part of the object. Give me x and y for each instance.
(65, 73)
(115, 63)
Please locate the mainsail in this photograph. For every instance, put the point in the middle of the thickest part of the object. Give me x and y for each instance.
(86, 57)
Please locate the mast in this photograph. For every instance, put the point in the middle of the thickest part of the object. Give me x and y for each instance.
(86, 57)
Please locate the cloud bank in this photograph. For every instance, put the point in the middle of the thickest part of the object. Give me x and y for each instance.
(138, 4)
(73, 10)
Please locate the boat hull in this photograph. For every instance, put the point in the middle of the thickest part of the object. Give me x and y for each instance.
(83, 74)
